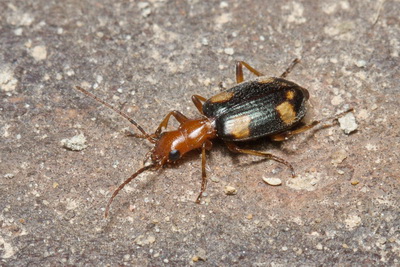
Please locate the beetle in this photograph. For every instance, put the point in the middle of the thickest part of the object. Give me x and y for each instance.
(252, 109)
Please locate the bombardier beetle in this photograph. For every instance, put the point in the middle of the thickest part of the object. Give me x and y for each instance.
(260, 107)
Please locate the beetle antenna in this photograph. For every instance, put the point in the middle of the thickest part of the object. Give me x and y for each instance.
(123, 114)
(121, 186)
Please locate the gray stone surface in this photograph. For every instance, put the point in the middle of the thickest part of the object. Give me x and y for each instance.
(149, 57)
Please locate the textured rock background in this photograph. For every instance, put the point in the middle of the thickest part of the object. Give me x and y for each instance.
(148, 58)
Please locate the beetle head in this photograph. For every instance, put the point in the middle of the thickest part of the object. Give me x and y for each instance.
(168, 148)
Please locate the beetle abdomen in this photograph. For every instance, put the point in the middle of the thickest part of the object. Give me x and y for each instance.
(257, 108)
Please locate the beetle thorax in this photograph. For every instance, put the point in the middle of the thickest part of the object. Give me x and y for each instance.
(190, 135)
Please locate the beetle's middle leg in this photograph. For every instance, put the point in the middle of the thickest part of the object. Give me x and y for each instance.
(232, 147)
(239, 71)
(286, 135)
(206, 146)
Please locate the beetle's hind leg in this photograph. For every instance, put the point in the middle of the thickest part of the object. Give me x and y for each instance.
(286, 135)
(290, 68)
(239, 71)
(234, 148)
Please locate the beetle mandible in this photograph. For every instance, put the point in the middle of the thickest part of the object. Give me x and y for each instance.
(264, 106)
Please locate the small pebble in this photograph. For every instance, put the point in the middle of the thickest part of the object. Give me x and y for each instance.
(76, 143)
(361, 63)
(272, 181)
(348, 123)
(229, 51)
(230, 190)
(200, 255)
(9, 175)
(338, 157)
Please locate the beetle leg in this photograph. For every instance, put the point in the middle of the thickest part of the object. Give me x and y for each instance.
(203, 170)
(290, 68)
(239, 71)
(232, 147)
(178, 116)
(208, 144)
(197, 101)
(286, 135)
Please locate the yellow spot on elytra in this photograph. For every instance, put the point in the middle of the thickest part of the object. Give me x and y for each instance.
(290, 95)
(239, 127)
(286, 112)
(221, 97)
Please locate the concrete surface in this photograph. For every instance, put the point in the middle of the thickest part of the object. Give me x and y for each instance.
(149, 57)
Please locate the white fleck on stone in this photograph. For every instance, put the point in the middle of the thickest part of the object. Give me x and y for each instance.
(361, 63)
(296, 15)
(272, 181)
(352, 222)
(145, 8)
(306, 182)
(333, 60)
(7, 81)
(146, 12)
(70, 72)
(20, 19)
(371, 147)
(223, 4)
(18, 31)
(363, 114)
(229, 51)
(99, 79)
(39, 52)
(348, 123)
(7, 249)
(9, 175)
(145, 240)
(222, 19)
(337, 100)
(100, 34)
(345, 5)
(143, 5)
(329, 8)
(338, 157)
(71, 204)
(76, 143)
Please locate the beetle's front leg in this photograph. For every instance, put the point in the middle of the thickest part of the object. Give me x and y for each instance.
(239, 71)
(178, 116)
(232, 147)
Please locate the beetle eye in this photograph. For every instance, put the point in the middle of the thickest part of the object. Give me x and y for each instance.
(174, 155)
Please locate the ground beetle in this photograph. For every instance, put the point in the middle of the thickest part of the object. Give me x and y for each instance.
(264, 106)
